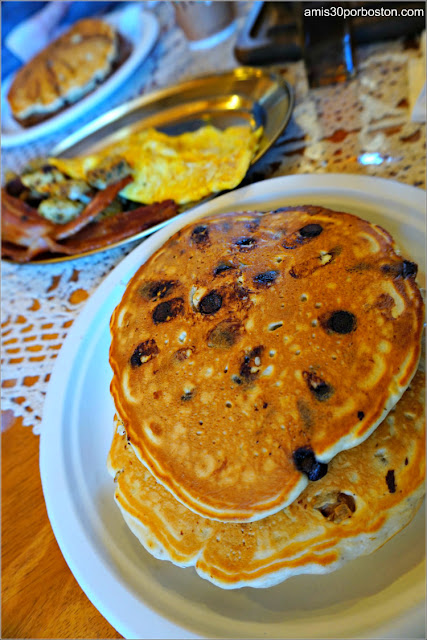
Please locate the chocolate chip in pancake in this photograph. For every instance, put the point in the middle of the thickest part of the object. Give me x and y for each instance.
(277, 341)
(369, 493)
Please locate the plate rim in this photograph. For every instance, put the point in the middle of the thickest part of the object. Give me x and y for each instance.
(153, 96)
(121, 110)
(148, 31)
(50, 435)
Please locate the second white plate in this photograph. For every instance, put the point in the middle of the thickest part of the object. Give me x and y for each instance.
(139, 27)
(378, 596)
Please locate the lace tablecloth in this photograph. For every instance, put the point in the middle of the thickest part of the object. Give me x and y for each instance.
(363, 126)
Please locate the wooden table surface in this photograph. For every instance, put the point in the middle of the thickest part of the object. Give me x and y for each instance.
(41, 598)
(364, 127)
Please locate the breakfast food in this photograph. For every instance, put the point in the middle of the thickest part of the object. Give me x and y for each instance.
(66, 70)
(369, 493)
(269, 420)
(185, 168)
(103, 221)
(71, 206)
(252, 348)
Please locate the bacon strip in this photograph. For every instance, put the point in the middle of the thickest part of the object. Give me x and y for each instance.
(120, 226)
(25, 254)
(20, 223)
(96, 205)
(26, 234)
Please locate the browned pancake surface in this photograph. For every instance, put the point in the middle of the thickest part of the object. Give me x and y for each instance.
(252, 348)
(65, 70)
(369, 494)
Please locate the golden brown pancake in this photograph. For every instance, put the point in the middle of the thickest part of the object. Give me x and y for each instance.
(64, 71)
(252, 348)
(369, 494)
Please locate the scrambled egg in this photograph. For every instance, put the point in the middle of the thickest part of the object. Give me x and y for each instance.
(184, 168)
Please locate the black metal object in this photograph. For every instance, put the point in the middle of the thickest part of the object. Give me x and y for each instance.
(274, 30)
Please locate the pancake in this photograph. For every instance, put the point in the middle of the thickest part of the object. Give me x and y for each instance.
(252, 348)
(66, 70)
(369, 494)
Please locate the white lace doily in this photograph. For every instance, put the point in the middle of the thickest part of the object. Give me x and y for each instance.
(361, 127)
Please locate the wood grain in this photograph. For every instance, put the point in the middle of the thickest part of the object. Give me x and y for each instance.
(40, 596)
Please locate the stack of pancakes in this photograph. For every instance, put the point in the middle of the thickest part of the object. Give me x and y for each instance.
(66, 70)
(270, 415)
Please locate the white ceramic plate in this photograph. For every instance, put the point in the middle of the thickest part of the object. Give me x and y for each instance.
(378, 596)
(139, 27)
